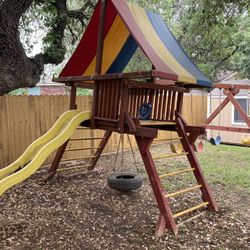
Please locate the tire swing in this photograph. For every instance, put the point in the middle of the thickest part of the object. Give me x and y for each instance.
(124, 180)
(215, 141)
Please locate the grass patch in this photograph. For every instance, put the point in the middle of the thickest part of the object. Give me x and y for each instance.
(227, 165)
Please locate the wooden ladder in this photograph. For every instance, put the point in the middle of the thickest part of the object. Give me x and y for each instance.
(92, 158)
(168, 219)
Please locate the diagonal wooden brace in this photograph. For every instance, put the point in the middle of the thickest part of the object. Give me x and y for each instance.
(192, 158)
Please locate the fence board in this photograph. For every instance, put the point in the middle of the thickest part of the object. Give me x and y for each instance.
(25, 118)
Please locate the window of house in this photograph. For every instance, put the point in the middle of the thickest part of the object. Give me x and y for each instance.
(244, 103)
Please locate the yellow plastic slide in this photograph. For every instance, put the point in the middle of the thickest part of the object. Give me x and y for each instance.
(40, 149)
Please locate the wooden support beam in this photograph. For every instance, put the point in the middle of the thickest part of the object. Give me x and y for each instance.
(100, 38)
(61, 150)
(79, 149)
(193, 136)
(130, 122)
(219, 108)
(163, 204)
(77, 159)
(228, 129)
(192, 158)
(86, 139)
(73, 168)
(159, 86)
(100, 149)
(82, 79)
(238, 107)
(231, 86)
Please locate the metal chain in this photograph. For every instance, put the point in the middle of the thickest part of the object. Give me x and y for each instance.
(122, 136)
(133, 153)
(116, 155)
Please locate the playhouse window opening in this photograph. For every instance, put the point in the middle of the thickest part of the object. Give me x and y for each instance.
(244, 103)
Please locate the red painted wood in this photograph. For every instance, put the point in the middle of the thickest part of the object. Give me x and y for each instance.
(237, 106)
(231, 86)
(117, 99)
(179, 103)
(229, 129)
(100, 37)
(173, 106)
(169, 106)
(192, 158)
(61, 150)
(217, 111)
(164, 75)
(100, 149)
(159, 193)
(161, 226)
(159, 105)
(156, 104)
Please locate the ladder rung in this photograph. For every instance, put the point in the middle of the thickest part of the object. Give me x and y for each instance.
(83, 128)
(73, 168)
(86, 139)
(177, 172)
(168, 140)
(204, 204)
(78, 149)
(78, 158)
(183, 191)
(191, 218)
(169, 156)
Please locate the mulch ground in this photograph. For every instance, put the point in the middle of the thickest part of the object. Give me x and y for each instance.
(82, 212)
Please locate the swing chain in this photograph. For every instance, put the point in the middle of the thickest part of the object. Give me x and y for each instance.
(116, 155)
(133, 154)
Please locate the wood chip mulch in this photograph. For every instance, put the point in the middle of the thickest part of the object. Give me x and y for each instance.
(79, 211)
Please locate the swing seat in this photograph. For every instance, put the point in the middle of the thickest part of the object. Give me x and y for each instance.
(215, 141)
(125, 181)
(245, 140)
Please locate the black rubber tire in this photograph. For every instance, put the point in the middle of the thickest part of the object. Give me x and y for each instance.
(125, 181)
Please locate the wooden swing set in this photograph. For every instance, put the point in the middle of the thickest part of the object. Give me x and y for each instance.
(117, 98)
(230, 91)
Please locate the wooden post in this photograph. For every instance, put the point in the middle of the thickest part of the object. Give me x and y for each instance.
(99, 56)
(163, 204)
(124, 106)
(60, 151)
(219, 109)
(192, 158)
(73, 104)
(237, 106)
(99, 151)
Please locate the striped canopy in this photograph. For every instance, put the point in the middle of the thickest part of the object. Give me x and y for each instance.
(128, 26)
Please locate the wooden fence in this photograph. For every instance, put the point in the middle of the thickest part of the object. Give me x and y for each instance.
(25, 118)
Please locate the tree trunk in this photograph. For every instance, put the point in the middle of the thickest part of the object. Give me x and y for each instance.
(16, 69)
